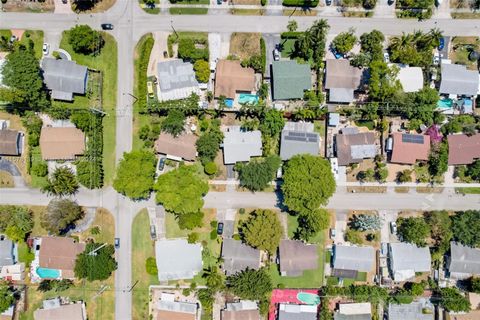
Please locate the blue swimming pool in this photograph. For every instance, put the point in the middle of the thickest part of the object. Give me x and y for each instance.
(46, 273)
(445, 104)
(229, 103)
(247, 98)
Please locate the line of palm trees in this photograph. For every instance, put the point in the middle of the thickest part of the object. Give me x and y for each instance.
(417, 39)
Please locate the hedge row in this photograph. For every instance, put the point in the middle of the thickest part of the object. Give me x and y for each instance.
(263, 53)
(291, 35)
(300, 3)
(144, 50)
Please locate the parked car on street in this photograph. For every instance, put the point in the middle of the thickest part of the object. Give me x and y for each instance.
(332, 233)
(393, 227)
(117, 243)
(441, 44)
(220, 228)
(107, 26)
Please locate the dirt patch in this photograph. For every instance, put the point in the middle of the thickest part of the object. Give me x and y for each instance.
(252, 2)
(429, 190)
(217, 187)
(367, 189)
(402, 189)
(362, 166)
(394, 169)
(29, 6)
(245, 45)
(6, 180)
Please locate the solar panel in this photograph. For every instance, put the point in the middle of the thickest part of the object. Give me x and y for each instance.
(412, 138)
(296, 134)
(311, 135)
(295, 138)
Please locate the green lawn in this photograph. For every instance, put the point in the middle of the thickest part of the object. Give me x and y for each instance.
(37, 38)
(24, 254)
(292, 225)
(469, 190)
(36, 155)
(106, 62)
(287, 47)
(192, 2)
(188, 10)
(142, 248)
(320, 127)
(309, 279)
(365, 123)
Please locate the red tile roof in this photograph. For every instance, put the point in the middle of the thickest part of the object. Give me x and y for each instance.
(463, 149)
(409, 152)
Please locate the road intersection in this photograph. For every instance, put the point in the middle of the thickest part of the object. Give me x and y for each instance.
(131, 22)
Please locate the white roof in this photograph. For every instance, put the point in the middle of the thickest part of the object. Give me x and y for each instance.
(353, 258)
(177, 259)
(355, 308)
(176, 80)
(181, 307)
(242, 305)
(407, 258)
(240, 146)
(411, 78)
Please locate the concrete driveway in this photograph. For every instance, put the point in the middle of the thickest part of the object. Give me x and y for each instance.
(53, 38)
(340, 226)
(11, 168)
(271, 40)
(387, 216)
(63, 8)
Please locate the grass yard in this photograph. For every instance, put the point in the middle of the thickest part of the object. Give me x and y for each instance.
(102, 228)
(358, 14)
(365, 123)
(106, 62)
(187, 10)
(191, 2)
(248, 12)
(461, 47)
(37, 37)
(367, 189)
(139, 87)
(245, 45)
(6, 180)
(287, 46)
(142, 248)
(309, 279)
(37, 181)
(24, 254)
(469, 190)
(402, 189)
(429, 190)
(299, 12)
(465, 15)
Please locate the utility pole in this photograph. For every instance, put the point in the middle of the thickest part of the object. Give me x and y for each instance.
(94, 252)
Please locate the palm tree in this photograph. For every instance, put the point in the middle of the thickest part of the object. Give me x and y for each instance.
(432, 38)
(400, 43)
(62, 183)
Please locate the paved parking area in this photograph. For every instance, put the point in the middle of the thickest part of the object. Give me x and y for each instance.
(63, 8)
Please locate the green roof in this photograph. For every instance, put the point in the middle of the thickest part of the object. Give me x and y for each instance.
(290, 79)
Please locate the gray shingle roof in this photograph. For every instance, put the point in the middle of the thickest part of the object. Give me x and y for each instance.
(238, 256)
(297, 312)
(290, 79)
(177, 259)
(339, 316)
(456, 79)
(6, 252)
(240, 146)
(464, 259)
(353, 148)
(412, 311)
(407, 257)
(341, 95)
(176, 79)
(64, 78)
(353, 258)
(296, 257)
(174, 306)
(298, 139)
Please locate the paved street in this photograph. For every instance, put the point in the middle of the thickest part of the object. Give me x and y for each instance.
(130, 24)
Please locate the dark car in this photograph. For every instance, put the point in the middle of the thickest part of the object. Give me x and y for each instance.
(161, 164)
(328, 2)
(107, 26)
(441, 44)
(220, 228)
(117, 243)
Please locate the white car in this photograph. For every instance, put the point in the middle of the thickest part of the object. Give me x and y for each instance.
(276, 55)
(393, 227)
(386, 57)
(436, 59)
(45, 49)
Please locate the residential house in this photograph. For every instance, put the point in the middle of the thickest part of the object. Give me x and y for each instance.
(175, 310)
(297, 312)
(231, 78)
(240, 146)
(296, 257)
(11, 143)
(410, 148)
(353, 311)
(10, 269)
(458, 81)
(61, 143)
(349, 260)
(55, 257)
(464, 262)
(290, 80)
(342, 80)
(64, 78)
(177, 259)
(299, 138)
(406, 259)
(463, 149)
(176, 80)
(353, 146)
(178, 148)
(242, 310)
(417, 310)
(53, 309)
(411, 78)
(238, 256)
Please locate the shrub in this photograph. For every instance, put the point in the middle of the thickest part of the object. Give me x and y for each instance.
(85, 40)
(202, 70)
(151, 266)
(241, 211)
(40, 169)
(353, 236)
(210, 168)
(192, 237)
(213, 234)
(300, 3)
(144, 55)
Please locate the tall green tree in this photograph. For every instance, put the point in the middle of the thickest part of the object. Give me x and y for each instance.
(85, 40)
(382, 82)
(21, 73)
(310, 223)
(62, 183)
(344, 41)
(250, 284)
(174, 123)
(135, 174)
(202, 70)
(441, 231)
(311, 45)
(97, 265)
(372, 43)
(413, 230)
(60, 214)
(272, 123)
(308, 183)
(262, 230)
(452, 300)
(438, 160)
(181, 190)
(6, 296)
(257, 174)
(16, 222)
(466, 227)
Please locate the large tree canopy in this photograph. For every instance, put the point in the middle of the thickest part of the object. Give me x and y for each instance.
(62, 182)
(466, 228)
(95, 266)
(16, 222)
(414, 230)
(181, 190)
(135, 174)
(344, 41)
(250, 284)
(308, 183)
(310, 223)
(452, 300)
(61, 214)
(257, 174)
(6, 296)
(263, 230)
(85, 40)
(21, 73)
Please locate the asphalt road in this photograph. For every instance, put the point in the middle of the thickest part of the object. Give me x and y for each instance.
(130, 24)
